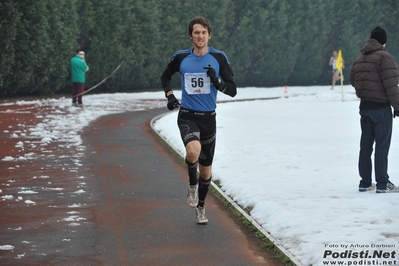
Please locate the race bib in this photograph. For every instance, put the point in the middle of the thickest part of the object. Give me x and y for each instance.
(197, 83)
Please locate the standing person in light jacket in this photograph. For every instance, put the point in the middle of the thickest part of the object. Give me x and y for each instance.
(204, 71)
(79, 68)
(336, 75)
(375, 76)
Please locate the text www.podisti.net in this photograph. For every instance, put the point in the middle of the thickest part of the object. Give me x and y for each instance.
(351, 255)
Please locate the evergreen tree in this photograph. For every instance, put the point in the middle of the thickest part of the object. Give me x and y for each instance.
(311, 33)
(9, 18)
(30, 51)
(269, 43)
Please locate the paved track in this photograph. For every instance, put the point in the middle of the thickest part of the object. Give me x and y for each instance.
(143, 202)
(135, 210)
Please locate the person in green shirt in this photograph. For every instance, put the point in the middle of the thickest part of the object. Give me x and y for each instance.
(79, 68)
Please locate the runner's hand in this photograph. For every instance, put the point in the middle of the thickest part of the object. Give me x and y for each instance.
(172, 102)
(211, 73)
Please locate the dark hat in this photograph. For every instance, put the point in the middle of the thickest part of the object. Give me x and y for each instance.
(379, 34)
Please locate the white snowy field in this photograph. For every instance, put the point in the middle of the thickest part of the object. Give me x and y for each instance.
(292, 161)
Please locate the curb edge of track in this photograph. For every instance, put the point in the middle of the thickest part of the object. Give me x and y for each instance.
(278, 245)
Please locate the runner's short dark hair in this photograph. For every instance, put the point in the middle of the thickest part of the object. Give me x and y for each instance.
(199, 20)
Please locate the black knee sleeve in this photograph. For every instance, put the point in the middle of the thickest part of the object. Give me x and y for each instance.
(203, 182)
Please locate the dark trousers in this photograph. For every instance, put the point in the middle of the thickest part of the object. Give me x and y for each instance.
(77, 90)
(376, 125)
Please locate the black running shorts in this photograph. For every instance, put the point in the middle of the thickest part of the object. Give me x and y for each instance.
(199, 126)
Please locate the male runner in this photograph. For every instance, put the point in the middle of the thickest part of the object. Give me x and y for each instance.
(204, 71)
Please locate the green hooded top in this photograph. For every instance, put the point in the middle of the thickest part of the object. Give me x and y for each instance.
(78, 69)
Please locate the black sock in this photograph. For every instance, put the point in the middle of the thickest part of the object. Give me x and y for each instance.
(203, 190)
(192, 172)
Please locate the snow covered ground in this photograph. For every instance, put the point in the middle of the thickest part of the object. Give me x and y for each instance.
(291, 160)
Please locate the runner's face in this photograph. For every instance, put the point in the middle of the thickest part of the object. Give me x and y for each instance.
(200, 36)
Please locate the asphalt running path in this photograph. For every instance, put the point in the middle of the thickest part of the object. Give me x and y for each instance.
(133, 210)
(144, 211)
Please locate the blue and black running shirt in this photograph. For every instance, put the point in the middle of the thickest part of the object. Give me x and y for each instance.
(198, 93)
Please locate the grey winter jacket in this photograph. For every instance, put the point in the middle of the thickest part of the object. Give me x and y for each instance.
(375, 75)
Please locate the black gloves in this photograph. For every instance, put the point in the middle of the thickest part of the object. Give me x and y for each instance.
(217, 82)
(211, 73)
(172, 102)
(395, 113)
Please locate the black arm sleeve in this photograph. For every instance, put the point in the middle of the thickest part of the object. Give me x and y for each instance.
(171, 69)
(166, 77)
(227, 86)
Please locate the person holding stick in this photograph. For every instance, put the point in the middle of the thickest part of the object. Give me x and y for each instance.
(79, 68)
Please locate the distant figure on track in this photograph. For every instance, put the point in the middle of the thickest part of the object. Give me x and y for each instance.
(336, 74)
(79, 68)
(204, 71)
